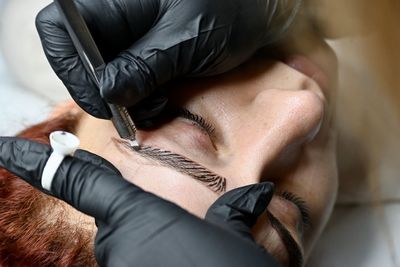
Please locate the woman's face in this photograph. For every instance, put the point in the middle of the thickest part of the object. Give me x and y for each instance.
(268, 120)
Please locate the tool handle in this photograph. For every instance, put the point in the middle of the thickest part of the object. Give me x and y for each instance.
(93, 61)
(82, 38)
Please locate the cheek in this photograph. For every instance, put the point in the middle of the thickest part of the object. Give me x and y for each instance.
(321, 205)
(327, 198)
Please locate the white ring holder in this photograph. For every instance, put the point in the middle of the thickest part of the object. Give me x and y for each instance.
(63, 144)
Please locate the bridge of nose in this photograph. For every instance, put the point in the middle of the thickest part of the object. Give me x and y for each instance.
(273, 121)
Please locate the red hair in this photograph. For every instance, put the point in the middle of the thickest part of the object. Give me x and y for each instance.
(34, 227)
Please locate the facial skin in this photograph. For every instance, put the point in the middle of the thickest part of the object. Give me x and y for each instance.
(270, 122)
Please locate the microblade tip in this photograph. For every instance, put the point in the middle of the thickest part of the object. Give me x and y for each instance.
(134, 144)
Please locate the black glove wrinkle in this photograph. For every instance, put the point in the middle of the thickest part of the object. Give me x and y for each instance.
(148, 43)
(24, 159)
(137, 228)
(238, 210)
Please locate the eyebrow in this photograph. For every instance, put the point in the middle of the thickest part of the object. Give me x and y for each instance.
(296, 258)
(217, 184)
(181, 164)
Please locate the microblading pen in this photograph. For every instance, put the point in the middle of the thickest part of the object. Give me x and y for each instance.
(94, 65)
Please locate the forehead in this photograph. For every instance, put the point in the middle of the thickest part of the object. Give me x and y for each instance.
(238, 85)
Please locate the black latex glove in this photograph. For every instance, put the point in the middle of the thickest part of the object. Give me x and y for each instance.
(147, 43)
(137, 228)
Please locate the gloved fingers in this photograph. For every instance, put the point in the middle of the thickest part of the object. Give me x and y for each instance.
(27, 159)
(97, 192)
(132, 76)
(96, 160)
(102, 244)
(129, 20)
(24, 158)
(164, 53)
(145, 113)
(239, 209)
(66, 63)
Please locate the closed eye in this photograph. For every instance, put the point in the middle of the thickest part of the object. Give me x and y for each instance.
(199, 120)
(301, 204)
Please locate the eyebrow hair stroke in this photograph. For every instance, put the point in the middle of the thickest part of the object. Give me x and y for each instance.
(217, 184)
(296, 257)
(181, 164)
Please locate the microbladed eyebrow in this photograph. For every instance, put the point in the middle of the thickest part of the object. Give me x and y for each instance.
(217, 184)
(181, 164)
(296, 258)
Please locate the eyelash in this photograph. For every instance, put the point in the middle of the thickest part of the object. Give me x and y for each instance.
(197, 119)
(301, 204)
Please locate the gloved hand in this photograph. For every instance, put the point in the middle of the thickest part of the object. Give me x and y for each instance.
(136, 228)
(147, 43)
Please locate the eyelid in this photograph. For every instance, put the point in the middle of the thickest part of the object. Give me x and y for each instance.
(199, 120)
(301, 204)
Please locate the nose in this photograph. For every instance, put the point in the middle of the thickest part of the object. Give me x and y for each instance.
(278, 122)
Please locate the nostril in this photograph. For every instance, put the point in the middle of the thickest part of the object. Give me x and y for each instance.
(310, 85)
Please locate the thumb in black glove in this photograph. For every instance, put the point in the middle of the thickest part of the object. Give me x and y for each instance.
(136, 228)
(147, 43)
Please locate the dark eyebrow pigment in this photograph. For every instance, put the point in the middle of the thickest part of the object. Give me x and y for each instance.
(296, 258)
(218, 184)
(183, 165)
(186, 166)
